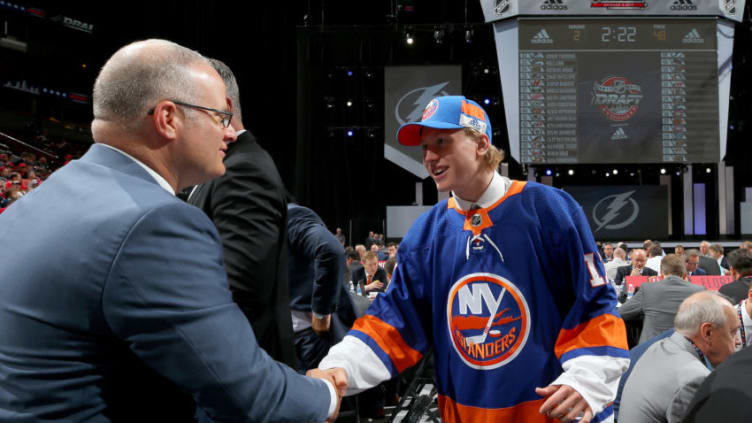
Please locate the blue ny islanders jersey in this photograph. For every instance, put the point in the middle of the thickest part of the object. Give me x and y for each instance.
(509, 296)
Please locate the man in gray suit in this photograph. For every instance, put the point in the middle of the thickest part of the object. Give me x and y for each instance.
(658, 302)
(130, 274)
(666, 377)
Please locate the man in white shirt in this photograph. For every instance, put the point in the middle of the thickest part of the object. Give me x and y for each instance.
(655, 255)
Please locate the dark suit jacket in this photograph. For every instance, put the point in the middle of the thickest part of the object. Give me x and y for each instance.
(109, 266)
(709, 265)
(737, 290)
(724, 395)
(698, 272)
(316, 263)
(623, 271)
(248, 206)
(360, 278)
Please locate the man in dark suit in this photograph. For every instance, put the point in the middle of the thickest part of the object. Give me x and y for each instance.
(658, 302)
(371, 278)
(724, 395)
(637, 268)
(248, 207)
(352, 264)
(316, 261)
(709, 266)
(716, 252)
(130, 272)
(692, 261)
(740, 261)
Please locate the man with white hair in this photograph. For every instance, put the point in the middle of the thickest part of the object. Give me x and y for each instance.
(666, 377)
(132, 283)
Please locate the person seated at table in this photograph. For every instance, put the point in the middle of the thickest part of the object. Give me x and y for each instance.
(692, 261)
(637, 268)
(740, 262)
(658, 302)
(371, 277)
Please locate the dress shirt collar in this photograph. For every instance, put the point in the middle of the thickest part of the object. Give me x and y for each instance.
(240, 131)
(157, 177)
(496, 189)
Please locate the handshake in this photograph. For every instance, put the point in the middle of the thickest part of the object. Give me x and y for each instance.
(338, 378)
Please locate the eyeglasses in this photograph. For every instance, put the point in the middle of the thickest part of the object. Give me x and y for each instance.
(224, 117)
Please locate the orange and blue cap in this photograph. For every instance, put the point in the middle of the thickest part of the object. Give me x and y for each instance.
(447, 112)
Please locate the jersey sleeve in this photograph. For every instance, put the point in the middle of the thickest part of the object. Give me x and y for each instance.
(592, 343)
(394, 333)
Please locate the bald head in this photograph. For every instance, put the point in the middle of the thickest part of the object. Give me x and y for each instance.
(698, 308)
(140, 75)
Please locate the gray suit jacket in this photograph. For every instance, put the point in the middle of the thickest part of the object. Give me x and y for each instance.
(658, 302)
(663, 382)
(106, 264)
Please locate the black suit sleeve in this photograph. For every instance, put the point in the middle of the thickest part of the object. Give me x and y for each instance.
(248, 207)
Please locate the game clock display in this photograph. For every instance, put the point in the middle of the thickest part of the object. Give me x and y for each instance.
(618, 90)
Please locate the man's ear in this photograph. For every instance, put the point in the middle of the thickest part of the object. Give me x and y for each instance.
(705, 330)
(167, 119)
(483, 145)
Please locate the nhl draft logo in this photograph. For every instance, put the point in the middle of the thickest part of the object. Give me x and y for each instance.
(488, 320)
(617, 98)
(619, 4)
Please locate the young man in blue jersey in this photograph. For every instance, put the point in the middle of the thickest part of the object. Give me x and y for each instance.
(519, 332)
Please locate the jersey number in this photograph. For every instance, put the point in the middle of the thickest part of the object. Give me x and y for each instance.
(595, 278)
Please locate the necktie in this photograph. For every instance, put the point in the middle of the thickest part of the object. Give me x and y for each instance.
(368, 280)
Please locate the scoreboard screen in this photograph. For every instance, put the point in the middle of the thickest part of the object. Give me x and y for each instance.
(618, 90)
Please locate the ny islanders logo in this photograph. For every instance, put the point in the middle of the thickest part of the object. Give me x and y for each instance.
(488, 319)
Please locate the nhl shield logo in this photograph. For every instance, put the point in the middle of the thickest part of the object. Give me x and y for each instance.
(488, 320)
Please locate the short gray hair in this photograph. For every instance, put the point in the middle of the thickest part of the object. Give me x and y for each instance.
(140, 75)
(701, 307)
(233, 92)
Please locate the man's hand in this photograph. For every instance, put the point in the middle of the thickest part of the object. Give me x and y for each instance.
(321, 326)
(377, 284)
(564, 403)
(338, 378)
(635, 272)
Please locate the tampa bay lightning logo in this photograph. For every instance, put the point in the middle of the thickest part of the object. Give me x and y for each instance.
(488, 320)
(615, 215)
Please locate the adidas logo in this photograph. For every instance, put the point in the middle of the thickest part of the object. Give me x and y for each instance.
(554, 5)
(683, 5)
(693, 37)
(619, 135)
(542, 37)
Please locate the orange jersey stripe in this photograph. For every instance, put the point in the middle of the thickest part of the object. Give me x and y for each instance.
(388, 338)
(473, 110)
(452, 412)
(605, 330)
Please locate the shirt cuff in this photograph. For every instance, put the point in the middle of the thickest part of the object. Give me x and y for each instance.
(332, 396)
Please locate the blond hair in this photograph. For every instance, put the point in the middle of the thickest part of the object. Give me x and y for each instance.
(493, 156)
